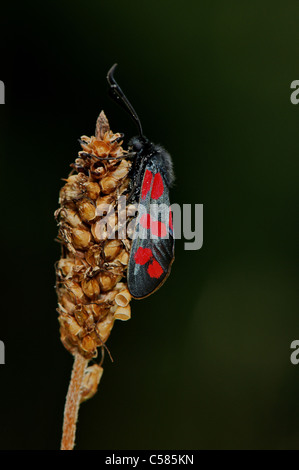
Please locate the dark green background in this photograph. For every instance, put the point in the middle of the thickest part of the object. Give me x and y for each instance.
(205, 362)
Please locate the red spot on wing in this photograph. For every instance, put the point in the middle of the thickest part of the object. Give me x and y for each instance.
(157, 228)
(145, 221)
(170, 219)
(143, 255)
(155, 269)
(158, 187)
(146, 186)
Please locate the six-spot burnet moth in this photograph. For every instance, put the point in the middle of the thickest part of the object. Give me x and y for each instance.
(152, 249)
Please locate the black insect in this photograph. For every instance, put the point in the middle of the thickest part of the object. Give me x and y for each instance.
(152, 250)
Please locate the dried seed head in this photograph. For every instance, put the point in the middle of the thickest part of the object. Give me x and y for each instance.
(66, 305)
(102, 126)
(73, 326)
(73, 189)
(87, 210)
(91, 380)
(71, 217)
(94, 255)
(91, 288)
(104, 203)
(123, 313)
(65, 267)
(90, 294)
(74, 289)
(81, 238)
(123, 298)
(123, 257)
(112, 249)
(104, 328)
(110, 182)
(108, 280)
(88, 344)
(92, 190)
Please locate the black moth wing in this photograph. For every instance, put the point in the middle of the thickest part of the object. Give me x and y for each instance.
(152, 249)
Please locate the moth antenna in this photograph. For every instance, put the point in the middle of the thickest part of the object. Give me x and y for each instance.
(118, 95)
(127, 155)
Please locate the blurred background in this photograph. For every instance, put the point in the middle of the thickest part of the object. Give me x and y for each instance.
(205, 362)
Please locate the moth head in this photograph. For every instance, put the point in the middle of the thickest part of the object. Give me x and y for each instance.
(138, 143)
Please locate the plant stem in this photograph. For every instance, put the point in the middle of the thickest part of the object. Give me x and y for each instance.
(72, 403)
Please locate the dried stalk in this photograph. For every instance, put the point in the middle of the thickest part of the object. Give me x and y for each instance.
(72, 403)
